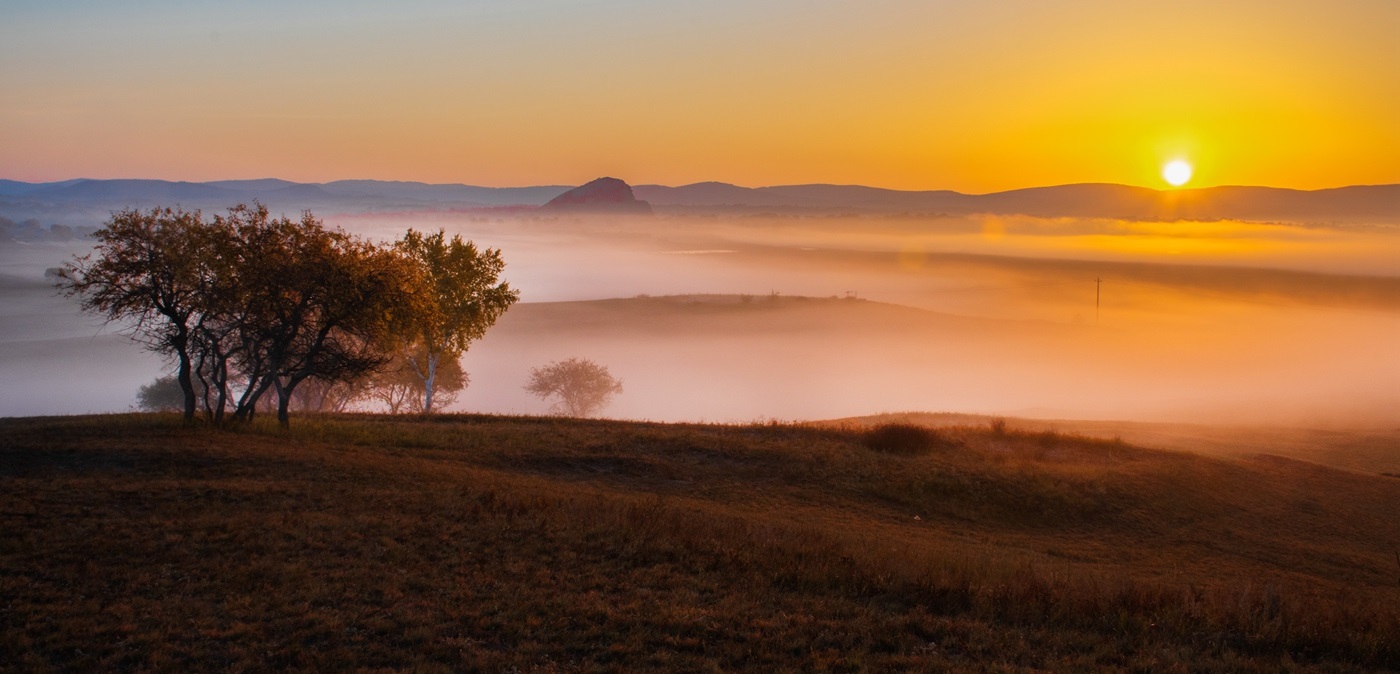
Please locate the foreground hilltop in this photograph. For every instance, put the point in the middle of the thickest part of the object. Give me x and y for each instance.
(546, 544)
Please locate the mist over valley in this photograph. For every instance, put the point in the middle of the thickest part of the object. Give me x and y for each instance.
(711, 314)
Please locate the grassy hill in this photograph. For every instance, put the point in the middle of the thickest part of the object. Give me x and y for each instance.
(540, 544)
(1367, 450)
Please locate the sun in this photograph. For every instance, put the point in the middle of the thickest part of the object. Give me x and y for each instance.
(1176, 172)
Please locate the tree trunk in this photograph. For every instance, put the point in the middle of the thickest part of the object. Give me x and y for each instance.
(283, 400)
(396, 398)
(248, 403)
(221, 380)
(284, 396)
(186, 386)
(428, 382)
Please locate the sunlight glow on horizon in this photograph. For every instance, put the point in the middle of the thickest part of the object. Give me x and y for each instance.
(974, 97)
(1177, 172)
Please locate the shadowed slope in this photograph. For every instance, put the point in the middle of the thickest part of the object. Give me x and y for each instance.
(546, 544)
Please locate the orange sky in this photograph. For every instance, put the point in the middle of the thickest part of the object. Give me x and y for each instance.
(971, 96)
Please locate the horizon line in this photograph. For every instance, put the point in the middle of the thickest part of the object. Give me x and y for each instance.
(711, 182)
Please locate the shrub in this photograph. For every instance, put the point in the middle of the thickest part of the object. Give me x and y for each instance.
(582, 386)
(162, 395)
(906, 439)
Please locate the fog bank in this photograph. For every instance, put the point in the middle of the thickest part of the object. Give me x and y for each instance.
(1186, 321)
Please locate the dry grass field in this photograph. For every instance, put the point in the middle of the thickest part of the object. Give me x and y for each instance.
(476, 543)
(1374, 449)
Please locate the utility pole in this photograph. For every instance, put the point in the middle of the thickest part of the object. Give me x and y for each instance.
(1098, 283)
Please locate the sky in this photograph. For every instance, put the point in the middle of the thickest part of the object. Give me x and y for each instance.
(970, 96)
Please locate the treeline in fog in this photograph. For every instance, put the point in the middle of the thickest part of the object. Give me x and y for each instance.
(248, 306)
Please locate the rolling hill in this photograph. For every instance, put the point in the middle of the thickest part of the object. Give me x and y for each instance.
(546, 544)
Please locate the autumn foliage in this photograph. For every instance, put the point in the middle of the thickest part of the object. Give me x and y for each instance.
(249, 307)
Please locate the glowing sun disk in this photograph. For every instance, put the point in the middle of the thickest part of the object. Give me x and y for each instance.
(1176, 172)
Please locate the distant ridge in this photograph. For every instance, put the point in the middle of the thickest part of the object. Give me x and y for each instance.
(604, 195)
(1362, 203)
(84, 199)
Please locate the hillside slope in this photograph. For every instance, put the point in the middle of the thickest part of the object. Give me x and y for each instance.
(540, 544)
(1366, 450)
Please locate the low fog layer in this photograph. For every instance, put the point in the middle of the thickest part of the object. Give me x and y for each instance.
(53, 359)
(1197, 321)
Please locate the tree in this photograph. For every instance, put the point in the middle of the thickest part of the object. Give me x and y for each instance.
(313, 302)
(147, 273)
(162, 395)
(328, 395)
(464, 299)
(248, 303)
(401, 389)
(582, 386)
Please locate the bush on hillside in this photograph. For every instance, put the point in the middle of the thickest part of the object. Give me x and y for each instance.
(162, 395)
(904, 439)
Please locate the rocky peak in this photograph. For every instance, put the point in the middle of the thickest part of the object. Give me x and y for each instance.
(604, 195)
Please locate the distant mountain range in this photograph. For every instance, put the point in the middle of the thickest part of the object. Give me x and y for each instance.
(1364, 203)
(79, 200)
(373, 194)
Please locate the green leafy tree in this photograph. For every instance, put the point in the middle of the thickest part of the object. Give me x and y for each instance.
(582, 386)
(465, 297)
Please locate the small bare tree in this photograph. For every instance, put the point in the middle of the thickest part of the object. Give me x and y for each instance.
(582, 386)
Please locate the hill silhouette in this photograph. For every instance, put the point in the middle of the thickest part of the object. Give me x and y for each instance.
(1373, 203)
(603, 195)
(1361, 204)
